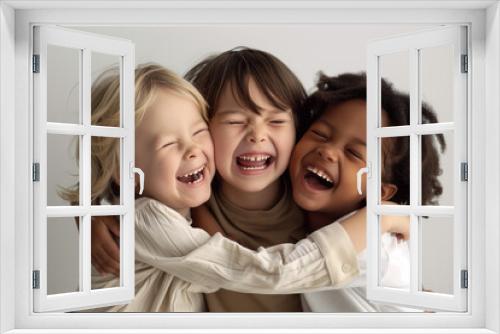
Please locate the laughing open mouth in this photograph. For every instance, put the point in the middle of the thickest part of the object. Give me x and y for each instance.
(193, 177)
(318, 179)
(250, 162)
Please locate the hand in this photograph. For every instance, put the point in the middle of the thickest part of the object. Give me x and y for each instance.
(105, 245)
(355, 227)
(203, 218)
(398, 225)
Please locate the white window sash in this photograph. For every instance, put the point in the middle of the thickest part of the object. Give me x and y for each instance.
(86, 43)
(411, 43)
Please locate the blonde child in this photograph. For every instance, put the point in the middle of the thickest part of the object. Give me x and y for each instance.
(174, 149)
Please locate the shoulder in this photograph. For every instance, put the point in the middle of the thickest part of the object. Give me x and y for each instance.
(148, 210)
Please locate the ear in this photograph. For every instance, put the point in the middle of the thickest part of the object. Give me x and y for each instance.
(388, 191)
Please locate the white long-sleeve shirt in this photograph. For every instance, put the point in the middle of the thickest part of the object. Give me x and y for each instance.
(395, 269)
(176, 263)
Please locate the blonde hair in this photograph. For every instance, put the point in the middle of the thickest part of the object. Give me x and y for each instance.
(150, 79)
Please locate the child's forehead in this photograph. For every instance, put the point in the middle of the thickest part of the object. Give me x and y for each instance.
(249, 96)
(351, 112)
(346, 119)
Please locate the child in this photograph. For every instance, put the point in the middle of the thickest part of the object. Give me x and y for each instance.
(323, 173)
(174, 149)
(254, 108)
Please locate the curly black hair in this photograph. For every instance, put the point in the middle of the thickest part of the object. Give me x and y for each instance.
(332, 91)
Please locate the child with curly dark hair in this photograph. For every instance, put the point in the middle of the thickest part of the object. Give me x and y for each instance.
(323, 173)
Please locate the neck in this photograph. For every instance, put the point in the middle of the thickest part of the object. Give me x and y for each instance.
(184, 212)
(317, 220)
(260, 200)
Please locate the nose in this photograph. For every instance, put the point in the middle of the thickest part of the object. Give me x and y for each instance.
(192, 151)
(256, 134)
(328, 154)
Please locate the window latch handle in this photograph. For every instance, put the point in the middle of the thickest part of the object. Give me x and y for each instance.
(138, 171)
(359, 174)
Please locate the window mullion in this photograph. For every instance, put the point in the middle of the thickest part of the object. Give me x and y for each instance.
(414, 170)
(85, 231)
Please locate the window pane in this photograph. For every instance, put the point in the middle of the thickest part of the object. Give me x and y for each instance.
(395, 168)
(106, 90)
(62, 170)
(438, 168)
(104, 260)
(436, 83)
(394, 255)
(62, 255)
(63, 84)
(436, 240)
(106, 153)
(394, 68)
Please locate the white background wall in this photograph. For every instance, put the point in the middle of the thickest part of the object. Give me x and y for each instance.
(306, 49)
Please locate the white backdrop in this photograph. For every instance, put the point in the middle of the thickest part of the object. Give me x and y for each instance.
(306, 49)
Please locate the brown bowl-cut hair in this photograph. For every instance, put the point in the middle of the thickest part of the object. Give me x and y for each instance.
(235, 67)
(332, 91)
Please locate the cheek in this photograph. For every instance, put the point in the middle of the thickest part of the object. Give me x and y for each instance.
(208, 148)
(285, 141)
(223, 147)
(164, 168)
(302, 148)
(350, 171)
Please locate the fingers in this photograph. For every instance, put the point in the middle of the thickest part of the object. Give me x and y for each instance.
(97, 265)
(105, 251)
(112, 258)
(104, 263)
(113, 224)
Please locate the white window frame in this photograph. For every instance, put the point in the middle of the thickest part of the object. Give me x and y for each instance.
(85, 44)
(17, 18)
(451, 36)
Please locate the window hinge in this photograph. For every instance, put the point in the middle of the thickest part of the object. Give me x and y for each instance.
(36, 63)
(465, 64)
(464, 279)
(36, 279)
(36, 172)
(464, 171)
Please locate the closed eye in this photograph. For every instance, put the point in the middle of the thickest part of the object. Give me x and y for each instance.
(168, 144)
(235, 122)
(278, 121)
(200, 131)
(355, 154)
(319, 134)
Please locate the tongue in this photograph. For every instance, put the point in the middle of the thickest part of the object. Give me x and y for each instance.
(247, 163)
(190, 178)
(316, 182)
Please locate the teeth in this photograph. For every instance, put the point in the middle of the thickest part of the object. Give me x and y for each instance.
(320, 173)
(254, 157)
(253, 168)
(195, 172)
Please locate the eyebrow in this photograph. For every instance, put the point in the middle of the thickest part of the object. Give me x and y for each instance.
(356, 141)
(236, 111)
(228, 112)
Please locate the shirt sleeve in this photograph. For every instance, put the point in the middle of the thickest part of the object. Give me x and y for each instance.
(394, 264)
(324, 260)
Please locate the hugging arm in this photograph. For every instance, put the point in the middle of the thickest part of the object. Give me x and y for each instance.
(211, 263)
(326, 259)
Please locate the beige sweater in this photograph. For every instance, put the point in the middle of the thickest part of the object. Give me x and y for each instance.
(176, 263)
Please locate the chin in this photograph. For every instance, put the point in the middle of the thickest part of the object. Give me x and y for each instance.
(306, 203)
(199, 198)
